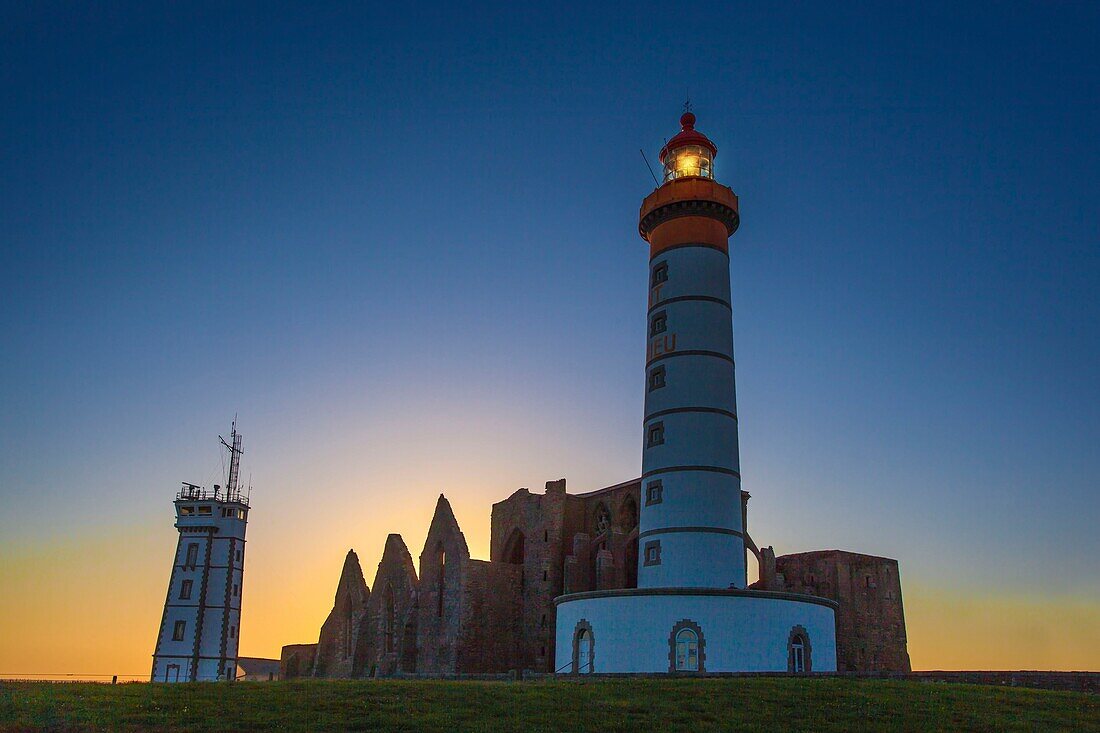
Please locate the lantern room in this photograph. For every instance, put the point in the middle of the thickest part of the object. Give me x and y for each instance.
(688, 155)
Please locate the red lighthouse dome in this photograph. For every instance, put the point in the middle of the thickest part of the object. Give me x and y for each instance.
(689, 154)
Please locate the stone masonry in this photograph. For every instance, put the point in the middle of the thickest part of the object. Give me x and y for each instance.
(340, 633)
(462, 615)
(390, 628)
(870, 624)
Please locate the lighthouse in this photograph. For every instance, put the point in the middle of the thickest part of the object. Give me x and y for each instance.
(690, 524)
(201, 623)
(692, 611)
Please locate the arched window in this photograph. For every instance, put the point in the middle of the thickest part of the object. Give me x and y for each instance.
(514, 550)
(628, 514)
(798, 651)
(798, 654)
(686, 651)
(631, 561)
(347, 637)
(441, 588)
(515, 553)
(603, 519)
(389, 620)
(584, 648)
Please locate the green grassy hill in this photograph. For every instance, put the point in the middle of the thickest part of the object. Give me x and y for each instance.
(634, 705)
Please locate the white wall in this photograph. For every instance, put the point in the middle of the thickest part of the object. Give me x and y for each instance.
(747, 632)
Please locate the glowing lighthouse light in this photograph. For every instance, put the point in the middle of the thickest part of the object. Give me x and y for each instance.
(689, 154)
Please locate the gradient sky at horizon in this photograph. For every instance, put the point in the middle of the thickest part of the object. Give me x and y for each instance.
(400, 241)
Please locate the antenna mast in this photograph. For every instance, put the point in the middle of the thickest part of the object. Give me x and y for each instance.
(231, 490)
(647, 165)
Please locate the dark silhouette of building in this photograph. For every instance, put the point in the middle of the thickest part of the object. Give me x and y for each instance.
(464, 615)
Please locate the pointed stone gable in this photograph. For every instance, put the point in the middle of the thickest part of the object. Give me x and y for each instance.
(388, 642)
(442, 568)
(352, 583)
(337, 645)
(395, 556)
(444, 529)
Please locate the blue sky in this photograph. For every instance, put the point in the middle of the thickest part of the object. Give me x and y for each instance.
(400, 240)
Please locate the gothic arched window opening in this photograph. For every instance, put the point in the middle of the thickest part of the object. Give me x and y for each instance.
(389, 620)
(687, 648)
(603, 519)
(441, 587)
(628, 515)
(798, 651)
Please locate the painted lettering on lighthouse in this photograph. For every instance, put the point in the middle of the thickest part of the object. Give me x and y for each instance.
(655, 294)
(661, 340)
(661, 345)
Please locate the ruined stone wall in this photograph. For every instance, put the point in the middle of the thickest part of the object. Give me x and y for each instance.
(564, 544)
(296, 660)
(601, 538)
(870, 624)
(389, 643)
(339, 637)
(442, 574)
(527, 534)
(471, 616)
(491, 636)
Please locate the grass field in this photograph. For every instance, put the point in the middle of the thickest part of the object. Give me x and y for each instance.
(635, 705)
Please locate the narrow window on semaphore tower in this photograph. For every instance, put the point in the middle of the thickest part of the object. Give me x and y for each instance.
(688, 155)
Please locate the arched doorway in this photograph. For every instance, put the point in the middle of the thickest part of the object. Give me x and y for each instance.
(584, 652)
(584, 648)
(686, 648)
(687, 651)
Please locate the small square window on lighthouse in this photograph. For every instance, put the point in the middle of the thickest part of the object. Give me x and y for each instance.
(656, 377)
(652, 553)
(654, 493)
(658, 323)
(660, 274)
(655, 435)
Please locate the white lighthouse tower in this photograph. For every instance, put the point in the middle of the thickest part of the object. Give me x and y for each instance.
(690, 524)
(201, 623)
(692, 612)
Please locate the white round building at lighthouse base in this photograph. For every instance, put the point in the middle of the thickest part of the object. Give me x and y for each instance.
(700, 630)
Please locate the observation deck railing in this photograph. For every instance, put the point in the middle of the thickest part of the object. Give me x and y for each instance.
(191, 492)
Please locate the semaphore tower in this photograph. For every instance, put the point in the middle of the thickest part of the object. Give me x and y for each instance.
(691, 611)
(200, 626)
